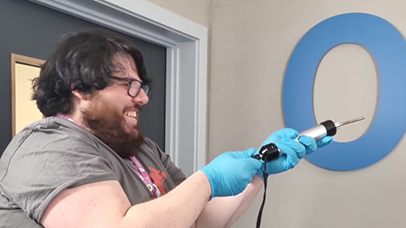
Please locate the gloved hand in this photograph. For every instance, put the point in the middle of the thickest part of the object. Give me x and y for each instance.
(231, 172)
(311, 145)
(292, 150)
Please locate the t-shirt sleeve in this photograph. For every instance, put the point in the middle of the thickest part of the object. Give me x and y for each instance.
(42, 165)
(176, 173)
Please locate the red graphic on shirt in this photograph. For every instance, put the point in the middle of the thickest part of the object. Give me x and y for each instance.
(159, 178)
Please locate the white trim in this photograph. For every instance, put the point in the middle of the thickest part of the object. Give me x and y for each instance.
(186, 44)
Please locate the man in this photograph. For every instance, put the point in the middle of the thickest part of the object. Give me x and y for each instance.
(88, 164)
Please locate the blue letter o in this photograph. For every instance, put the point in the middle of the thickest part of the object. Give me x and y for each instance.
(388, 49)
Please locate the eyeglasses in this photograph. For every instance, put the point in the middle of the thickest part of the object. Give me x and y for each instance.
(134, 86)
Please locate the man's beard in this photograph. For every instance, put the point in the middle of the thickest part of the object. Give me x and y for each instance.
(107, 123)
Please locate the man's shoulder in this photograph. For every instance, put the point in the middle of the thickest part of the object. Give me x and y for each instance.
(50, 134)
(149, 142)
(52, 129)
(150, 146)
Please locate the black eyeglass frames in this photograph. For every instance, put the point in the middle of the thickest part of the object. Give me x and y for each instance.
(134, 86)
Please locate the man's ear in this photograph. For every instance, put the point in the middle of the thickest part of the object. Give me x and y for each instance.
(80, 95)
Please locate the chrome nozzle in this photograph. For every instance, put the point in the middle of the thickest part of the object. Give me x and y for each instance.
(339, 124)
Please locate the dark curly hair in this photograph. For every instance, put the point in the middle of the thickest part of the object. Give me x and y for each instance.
(85, 60)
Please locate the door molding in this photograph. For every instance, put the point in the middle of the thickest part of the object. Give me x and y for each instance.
(186, 72)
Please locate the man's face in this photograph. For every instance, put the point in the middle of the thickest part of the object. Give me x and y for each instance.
(113, 116)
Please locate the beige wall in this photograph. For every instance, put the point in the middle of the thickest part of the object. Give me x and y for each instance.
(251, 41)
(195, 10)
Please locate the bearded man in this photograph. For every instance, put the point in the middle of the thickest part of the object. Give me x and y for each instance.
(87, 164)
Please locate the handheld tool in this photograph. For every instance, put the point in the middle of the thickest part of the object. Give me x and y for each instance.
(270, 151)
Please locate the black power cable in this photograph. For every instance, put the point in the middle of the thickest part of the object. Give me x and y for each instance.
(267, 153)
(263, 199)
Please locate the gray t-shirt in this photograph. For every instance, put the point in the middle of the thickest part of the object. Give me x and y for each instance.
(55, 154)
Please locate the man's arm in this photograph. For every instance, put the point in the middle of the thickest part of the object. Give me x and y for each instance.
(224, 211)
(104, 204)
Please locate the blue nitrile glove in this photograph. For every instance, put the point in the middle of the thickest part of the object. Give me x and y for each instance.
(311, 145)
(231, 172)
(292, 150)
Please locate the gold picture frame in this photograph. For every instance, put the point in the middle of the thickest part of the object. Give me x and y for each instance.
(23, 109)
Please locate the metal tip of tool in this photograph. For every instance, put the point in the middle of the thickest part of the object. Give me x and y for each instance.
(339, 124)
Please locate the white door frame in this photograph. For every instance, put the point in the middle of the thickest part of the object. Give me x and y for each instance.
(186, 72)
